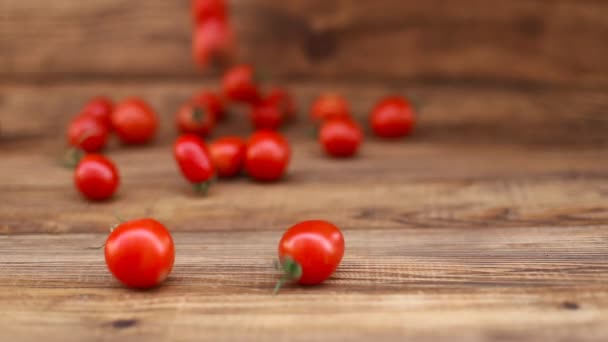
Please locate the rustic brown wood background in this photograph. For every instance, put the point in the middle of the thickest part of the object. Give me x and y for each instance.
(489, 224)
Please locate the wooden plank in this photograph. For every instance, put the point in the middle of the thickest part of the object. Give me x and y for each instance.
(557, 41)
(429, 284)
(453, 114)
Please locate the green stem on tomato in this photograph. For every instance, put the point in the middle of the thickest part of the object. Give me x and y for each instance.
(292, 271)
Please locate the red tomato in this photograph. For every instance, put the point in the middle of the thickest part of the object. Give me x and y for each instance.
(214, 103)
(96, 177)
(134, 121)
(340, 137)
(266, 115)
(267, 157)
(194, 161)
(213, 41)
(87, 133)
(285, 101)
(140, 253)
(392, 117)
(310, 252)
(99, 108)
(207, 9)
(239, 84)
(228, 155)
(195, 119)
(330, 106)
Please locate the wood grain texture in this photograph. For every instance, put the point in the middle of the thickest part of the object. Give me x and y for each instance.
(488, 224)
(522, 41)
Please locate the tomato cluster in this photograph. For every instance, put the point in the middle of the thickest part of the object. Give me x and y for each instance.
(141, 253)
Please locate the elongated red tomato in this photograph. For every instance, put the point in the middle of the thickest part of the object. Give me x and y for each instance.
(134, 121)
(228, 155)
(194, 161)
(140, 253)
(340, 137)
(208, 9)
(329, 106)
(87, 133)
(99, 108)
(239, 84)
(392, 117)
(96, 177)
(310, 252)
(212, 41)
(268, 155)
(195, 118)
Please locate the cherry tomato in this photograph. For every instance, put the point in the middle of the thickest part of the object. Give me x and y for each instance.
(194, 161)
(310, 252)
(285, 101)
(228, 155)
(239, 84)
(208, 9)
(340, 137)
(140, 253)
(392, 117)
(267, 157)
(214, 103)
(87, 133)
(329, 106)
(99, 108)
(266, 115)
(96, 177)
(212, 41)
(134, 121)
(195, 119)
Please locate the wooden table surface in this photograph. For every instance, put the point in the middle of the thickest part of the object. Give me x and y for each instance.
(489, 224)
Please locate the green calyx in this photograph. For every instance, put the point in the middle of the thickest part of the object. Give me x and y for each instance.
(202, 188)
(198, 114)
(72, 157)
(292, 271)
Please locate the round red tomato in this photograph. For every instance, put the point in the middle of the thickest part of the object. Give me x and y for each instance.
(87, 133)
(330, 106)
(195, 119)
(340, 137)
(310, 252)
(212, 41)
(96, 177)
(266, 115)
(99, 108)
(208, 9)
(392, 117)
(213, 103)
(140, 253)
(134, 121)
(267, 157)
(194, 161)
(239, 84)
(285, 102)
(228, 155)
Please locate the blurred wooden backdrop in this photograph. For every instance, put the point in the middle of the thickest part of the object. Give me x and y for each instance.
(561, 42)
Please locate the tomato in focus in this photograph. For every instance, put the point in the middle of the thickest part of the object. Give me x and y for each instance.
(310, 252)
(134, 121)
(228, 155)
(96, 177)
(267, 157)
(87, 133)
(140, 253)
(329, 106)
(239, 84)
(340, 137)
(392, 117)
(194, 161)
